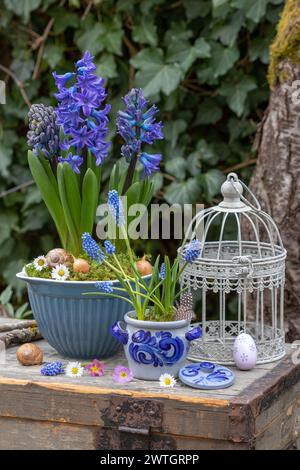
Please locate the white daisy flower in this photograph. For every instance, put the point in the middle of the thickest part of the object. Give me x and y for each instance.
(60, 272)
(167, 380)
(40, 263)
(74, 369)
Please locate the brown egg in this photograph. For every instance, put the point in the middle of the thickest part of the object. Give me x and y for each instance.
(144, 266)
(29, 354)
(81, 266)
(58, 256)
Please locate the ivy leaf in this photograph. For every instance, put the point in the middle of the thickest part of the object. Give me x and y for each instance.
(223, 59)
(173, 129)
(254, 9)
(22, 8)
(112, 36)
(236, 93)
(106, 66)
(185, 192)
(259, 49)
(22, 68)
(5, 159)
(185, 54)
(212, 181)
(154, 73)
(176, 167)
(145, 32)
(228, 32)
(207, 152)
(90, 39)
(53, 54)
(196, 8)
(209, 112)
(62, 22)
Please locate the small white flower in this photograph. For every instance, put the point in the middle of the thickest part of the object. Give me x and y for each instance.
(167, 380)
(40, 263)
(60, 272)
(74, 369)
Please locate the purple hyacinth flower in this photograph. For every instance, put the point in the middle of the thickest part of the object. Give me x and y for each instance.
(137, 125)
(80, 111)
(75, 161)
(150, 162)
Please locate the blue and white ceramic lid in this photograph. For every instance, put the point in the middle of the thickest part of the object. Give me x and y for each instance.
(206, 375)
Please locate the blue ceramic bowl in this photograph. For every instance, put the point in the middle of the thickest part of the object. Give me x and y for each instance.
(77, 326)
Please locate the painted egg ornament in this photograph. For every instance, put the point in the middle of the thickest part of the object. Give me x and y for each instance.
(244, 352)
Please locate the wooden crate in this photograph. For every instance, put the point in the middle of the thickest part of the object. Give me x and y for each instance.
(260, 411)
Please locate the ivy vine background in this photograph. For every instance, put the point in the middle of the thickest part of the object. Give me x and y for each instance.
(204, 62)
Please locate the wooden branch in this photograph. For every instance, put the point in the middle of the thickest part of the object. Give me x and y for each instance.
(238, 166)
(131, 48)
(19, 187)
(5, 327)
(87, 10)
(18, 82)
(39, 43)
(19, 336)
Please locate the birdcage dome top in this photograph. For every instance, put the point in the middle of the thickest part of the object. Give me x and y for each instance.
(235, 230)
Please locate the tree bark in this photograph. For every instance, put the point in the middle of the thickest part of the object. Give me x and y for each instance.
(276, 179)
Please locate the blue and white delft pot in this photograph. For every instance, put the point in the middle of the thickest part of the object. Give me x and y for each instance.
(76, 325)
(155, 348)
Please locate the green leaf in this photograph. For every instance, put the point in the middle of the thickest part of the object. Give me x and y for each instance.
(106, 66)
(22, 8)
(90, 196)
(62, 22)
(145, 32)
(207, 152)
(6, 295)
(53, 54)
(254, 9)
(185, 192)
(91, 39)
(8, 222)
(259, 49)
(49, 194)
(72, 241)
(5, 159)
(173, 129)
(73, 195)
(228, 32)
(185, 54)
(212, 181)
(236, 93)
(22, 68)
(176, 167)
(196, 8)
(223, 59)
(209, 112)
(154, 73)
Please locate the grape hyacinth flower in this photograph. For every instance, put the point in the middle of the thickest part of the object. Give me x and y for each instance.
(109, 247)
(162, 272)
(104, 286)
(52, 368)
(91, 248)
(80, 114)
(193, 251)
(116, 207)
(137, 126)
(43, 131)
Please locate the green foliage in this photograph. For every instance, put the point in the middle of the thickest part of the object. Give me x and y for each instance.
(6, 306)
(204, 62)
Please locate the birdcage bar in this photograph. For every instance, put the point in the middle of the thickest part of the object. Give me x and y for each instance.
(245, 268)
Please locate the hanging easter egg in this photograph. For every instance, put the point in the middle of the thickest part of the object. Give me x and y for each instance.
(244, 352)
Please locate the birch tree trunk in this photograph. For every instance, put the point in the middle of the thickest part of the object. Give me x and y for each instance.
(276, 179)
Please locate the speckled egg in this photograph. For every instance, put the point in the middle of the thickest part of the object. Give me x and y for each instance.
(244, 352)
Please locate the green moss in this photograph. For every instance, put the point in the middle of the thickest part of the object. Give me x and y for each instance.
(286, 43)
(96, 273)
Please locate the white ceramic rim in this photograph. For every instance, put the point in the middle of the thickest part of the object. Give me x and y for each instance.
(154, 325)
(22, 275)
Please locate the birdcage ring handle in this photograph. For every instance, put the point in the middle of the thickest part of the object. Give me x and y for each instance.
(233, 178)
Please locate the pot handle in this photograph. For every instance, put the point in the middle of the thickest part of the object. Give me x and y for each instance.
(194, 333)
(118, 332)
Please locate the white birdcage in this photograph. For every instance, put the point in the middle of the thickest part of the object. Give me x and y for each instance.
(247, 273)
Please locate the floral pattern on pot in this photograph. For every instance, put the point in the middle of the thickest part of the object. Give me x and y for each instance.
(160, 349)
